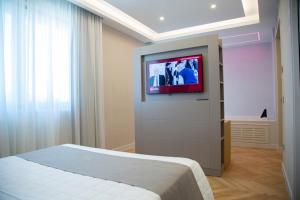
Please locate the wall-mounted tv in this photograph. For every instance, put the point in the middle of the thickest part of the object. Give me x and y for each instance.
(175, 75)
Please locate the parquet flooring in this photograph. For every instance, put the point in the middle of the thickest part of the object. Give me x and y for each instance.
(254, 174)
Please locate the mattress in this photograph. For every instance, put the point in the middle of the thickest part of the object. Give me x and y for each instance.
(23, 179)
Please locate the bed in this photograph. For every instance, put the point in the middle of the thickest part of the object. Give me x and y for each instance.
(77, 172)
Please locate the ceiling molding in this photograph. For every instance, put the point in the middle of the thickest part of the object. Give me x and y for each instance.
(143, 32)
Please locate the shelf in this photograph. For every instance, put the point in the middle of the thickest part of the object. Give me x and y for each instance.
(220, 55)
(221, 91)
(222, 121)
(221, 73)
(222, 152)
(222, 129)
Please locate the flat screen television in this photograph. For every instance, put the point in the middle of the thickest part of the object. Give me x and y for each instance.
(175, 75)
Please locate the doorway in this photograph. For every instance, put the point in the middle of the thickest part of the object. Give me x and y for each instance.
(279, 87)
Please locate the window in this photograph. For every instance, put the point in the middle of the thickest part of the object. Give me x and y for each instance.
(37, 59)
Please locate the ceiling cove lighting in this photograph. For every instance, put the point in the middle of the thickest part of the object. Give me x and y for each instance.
(213, 6)
(115, 17)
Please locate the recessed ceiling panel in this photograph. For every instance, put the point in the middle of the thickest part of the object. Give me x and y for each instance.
(179, 13)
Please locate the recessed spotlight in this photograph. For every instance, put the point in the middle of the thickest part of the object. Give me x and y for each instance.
(162, 18)
(213, 6)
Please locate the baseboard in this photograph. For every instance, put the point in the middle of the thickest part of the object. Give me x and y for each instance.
(255, 145)
(125, 147)
(287, 181)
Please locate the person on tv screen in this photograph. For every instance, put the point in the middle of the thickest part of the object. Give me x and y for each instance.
(193, 64)
(169, 76)
(186, 72)
(177, 79)
(157, 79)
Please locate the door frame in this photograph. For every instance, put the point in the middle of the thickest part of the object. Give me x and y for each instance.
(279, 87)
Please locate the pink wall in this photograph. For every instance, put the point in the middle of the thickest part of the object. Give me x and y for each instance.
(249, 83)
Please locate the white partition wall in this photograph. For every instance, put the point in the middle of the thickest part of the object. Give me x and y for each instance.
(185, 124)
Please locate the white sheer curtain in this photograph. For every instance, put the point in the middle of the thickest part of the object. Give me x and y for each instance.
(50, 75)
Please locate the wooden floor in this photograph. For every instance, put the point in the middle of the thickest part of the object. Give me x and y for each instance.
(253, 174)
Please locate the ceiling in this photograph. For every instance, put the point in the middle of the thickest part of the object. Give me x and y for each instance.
(179, 14)
(236, 21)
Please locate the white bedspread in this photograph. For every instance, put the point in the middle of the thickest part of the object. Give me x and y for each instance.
(27, 180)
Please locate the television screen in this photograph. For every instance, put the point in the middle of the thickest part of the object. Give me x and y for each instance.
(175, 75)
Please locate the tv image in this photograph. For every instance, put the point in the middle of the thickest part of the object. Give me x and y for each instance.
(175, 75)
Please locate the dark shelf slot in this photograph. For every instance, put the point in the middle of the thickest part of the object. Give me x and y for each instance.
(222, 128)
(221, 92)
(221, 74)
(222, 152)
(220, 54)
(222, 110)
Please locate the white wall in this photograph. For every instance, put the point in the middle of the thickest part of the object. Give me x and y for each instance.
(296, 96)
(249, 81)
(290, 87)
(295, 44)
(118, 87)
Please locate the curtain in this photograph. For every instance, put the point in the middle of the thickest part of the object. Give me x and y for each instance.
(50, 75)
(87, 84)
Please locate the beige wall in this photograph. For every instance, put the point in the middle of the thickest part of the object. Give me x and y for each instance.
(118, 87)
